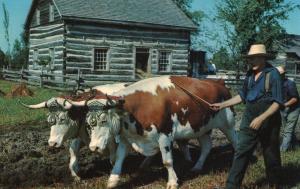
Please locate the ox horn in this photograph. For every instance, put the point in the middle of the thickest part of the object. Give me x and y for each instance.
(35, 106)
(74, 103)
(64, 103)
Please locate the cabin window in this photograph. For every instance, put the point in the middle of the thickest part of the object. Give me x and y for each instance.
(38, 17)
(52, 58)
(164, 61)
(35, 57)
(51, 13)
(101, 59)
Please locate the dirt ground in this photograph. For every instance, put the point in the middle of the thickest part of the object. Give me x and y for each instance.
(26, 160)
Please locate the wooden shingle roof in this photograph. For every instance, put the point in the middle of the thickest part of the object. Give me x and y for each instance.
(148, 12)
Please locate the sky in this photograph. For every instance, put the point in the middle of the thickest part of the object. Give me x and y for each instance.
(18, 10)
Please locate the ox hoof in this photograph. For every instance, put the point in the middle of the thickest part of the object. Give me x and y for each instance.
(172, 185)
(77, 179)
(113, 181)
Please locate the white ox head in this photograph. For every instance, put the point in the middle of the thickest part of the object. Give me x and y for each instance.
(62, 125)
(103, 122)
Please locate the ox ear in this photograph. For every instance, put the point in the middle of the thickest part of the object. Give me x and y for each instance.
(121, 102)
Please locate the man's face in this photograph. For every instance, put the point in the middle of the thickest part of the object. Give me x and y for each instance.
(256, 63)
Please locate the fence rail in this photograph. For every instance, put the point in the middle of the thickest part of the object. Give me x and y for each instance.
(61, 82)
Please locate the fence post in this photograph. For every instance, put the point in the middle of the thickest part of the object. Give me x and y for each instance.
(21, 75)
(78, 79)
(41, 79)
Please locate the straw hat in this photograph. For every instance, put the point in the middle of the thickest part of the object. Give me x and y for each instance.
(258, 50)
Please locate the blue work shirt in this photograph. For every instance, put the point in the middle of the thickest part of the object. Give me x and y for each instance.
(254, 91)
(290, 91)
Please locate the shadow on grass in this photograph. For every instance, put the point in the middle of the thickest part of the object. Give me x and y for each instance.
(289, 178)
(219, 159)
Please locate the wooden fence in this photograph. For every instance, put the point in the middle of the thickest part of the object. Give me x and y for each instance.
(45, 80)
(68, 83)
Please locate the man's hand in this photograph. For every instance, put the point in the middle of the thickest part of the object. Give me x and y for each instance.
(256, 123)
(231, 102)
(217, 106)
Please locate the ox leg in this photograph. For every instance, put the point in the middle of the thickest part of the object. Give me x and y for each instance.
(112, 147)
(146, 162)
(230, 134)
(183, 147)
(165, 146)
(114, 177)
(206, 145)
(74, 156)
(229, 128)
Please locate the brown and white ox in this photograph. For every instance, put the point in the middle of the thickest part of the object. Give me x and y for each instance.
(68, 122)
(150, 114)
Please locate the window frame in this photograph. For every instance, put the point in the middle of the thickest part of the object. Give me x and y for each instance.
(52, 58)
(38, 16)
(169, 69)
(51, 12)
(107, 58)
(35, 58)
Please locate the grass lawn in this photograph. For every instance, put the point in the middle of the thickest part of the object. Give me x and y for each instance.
(14, 114)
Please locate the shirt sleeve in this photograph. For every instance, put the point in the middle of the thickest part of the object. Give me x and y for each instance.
(292, 90)
(243, 91)
(276, 87)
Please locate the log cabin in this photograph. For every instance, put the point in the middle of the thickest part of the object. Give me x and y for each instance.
(111, 40)
(288, 54)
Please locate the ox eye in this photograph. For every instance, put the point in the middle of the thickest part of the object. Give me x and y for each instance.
(51, 120)
(93, 122)
(63, 117)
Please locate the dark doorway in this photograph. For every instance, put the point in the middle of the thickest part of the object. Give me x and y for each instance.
(141, 62)
(197, 63)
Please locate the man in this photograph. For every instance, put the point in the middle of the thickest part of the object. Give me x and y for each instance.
(262, 94)
(291, 110)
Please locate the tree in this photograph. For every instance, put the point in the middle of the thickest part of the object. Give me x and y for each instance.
(222, 59)
(197, 17)
(6, 31)
(246, 22)
(16, 54)
(19, 54)
(2, 59)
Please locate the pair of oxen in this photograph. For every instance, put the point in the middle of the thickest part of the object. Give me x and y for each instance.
(146, 117)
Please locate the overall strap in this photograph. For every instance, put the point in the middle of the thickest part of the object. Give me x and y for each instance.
(267, 82)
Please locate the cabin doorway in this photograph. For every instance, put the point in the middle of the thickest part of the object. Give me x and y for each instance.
(142, 65)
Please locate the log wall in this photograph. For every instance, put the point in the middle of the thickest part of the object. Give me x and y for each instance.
(43, 6)
(81, 39)
(44, 38)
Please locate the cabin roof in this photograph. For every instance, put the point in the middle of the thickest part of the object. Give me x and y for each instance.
(293, 45)
(147, 12)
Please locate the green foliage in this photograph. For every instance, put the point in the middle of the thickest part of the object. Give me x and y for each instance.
(6, 24)
(2, 59)
(19, 53)
(6, 33)
(11, 111)
(222, 59)
(246, 22)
